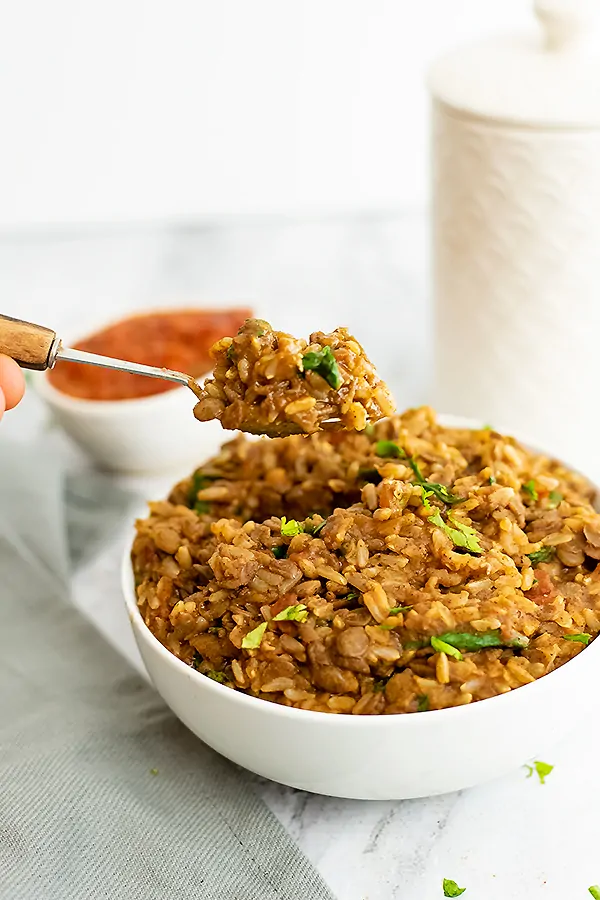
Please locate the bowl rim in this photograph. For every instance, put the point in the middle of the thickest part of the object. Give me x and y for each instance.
(459, 713)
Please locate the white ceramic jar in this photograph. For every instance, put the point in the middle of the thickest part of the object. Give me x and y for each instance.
(516, 230)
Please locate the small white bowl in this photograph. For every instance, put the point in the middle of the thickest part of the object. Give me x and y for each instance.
(142, 435)
(389, 757)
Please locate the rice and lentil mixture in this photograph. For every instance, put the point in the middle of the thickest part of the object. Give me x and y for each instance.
(268, 382)
(407, 568)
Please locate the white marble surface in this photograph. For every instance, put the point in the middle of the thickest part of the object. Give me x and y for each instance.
(513, 839)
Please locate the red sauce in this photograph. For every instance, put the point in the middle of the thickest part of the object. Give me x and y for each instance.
(178, 340)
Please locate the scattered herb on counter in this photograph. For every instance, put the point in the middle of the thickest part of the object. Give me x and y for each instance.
(441, 646)
(296, 613)
(471, 642)
(595, 891)
(582, 638)
(422, 703)
(529, 488)
(451, 889)
(291, 528)
(389, 449)
(542, 555)
(323, 362)
(543, 770)
(555, 498)
(221, 677)
(280, 552)
(154, 771)
(253, 639)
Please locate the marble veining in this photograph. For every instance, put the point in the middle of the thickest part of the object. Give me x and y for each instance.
(512, 839)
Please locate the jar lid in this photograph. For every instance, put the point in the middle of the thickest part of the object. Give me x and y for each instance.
(547, 78)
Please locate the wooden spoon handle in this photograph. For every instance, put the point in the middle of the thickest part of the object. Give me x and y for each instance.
(32, 346)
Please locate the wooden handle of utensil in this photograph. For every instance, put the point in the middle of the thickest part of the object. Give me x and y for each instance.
(32, 346)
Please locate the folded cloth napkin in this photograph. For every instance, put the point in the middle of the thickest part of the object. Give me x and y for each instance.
(103, 793)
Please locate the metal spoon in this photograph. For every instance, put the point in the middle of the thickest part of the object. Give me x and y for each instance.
(36, 347)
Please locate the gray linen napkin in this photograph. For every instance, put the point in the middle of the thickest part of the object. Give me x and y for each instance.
(103, 793)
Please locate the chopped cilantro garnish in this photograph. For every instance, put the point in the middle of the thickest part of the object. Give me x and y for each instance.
(280, 552)
(543, 770)
(461, 535)
(252, 640)
(314, 529)
(595, 891)
(433, 487)
(422, 703)
(451, 889)
(221, 677)
(154, 771)
(529, 488)
(371, 476)
(200, 481)
(542, 555)
(389, 448)
(352, 595)
(291, 528)
(323, 362)
(296, 613)
(398, 609)
(582, 638)
(492, 479)
(470, 642)
(441, 646)
(555, 498)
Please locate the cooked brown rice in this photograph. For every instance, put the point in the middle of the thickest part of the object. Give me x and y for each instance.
(417, 567)
(268, 382)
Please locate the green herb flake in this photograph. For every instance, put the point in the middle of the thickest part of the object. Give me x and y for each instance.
(352, 595)
(451, 889)
(441, 646)
(296, 613)
(253, 639)
(154, 771)
(543, 555)
(555, 498)
(197, 660)
(471, 643)
(487, 428)
(595, 891)
(231, 353)
(543, 770)
(221, 677)
(200, 480)
(433, 488)
(529, 488)
(324, 363)
(389, 449)
(280, 552)
(315, 529)
(291, 528)
(415, 645)
(371, 476)
(578, 638)
(492, 479)
(461, 535)
(422, 703)
(398, 609)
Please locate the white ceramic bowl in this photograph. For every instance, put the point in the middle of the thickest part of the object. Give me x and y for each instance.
(371, 757)
(143, 435)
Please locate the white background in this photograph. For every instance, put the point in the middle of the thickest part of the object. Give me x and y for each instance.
(134, 110)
